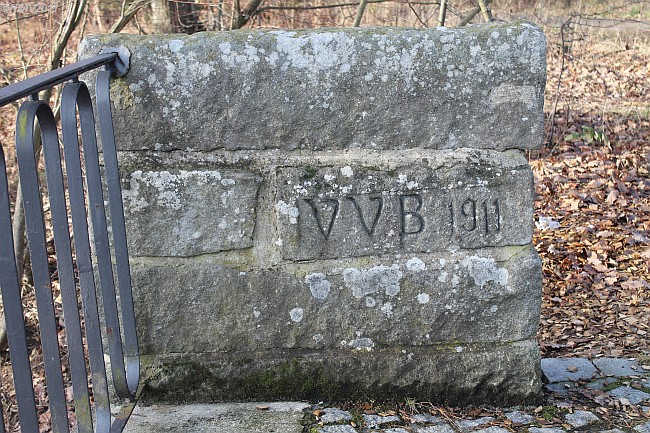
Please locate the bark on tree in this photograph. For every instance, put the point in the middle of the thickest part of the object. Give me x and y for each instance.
(169, 16)
(485, 9)
(242, 16)
(443, 13)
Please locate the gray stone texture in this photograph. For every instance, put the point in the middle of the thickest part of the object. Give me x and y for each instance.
(376, 421)
(332, 415)
(634, 396)
(581, 418)
(217, 418)
(200, 305)
(426, 418)
(336, 429)
(433, 373)
(453, 201)
(520, 417)
(385, 88)
(618, 367)
(567, 369)
(546, 430)
(643, 428)
(493, 429)
(441, 428)
(303, 206)
(189, 212)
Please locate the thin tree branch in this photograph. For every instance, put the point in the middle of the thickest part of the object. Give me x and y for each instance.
(487, 13)
(416, 14)
(20, 47)
(242, 17)
(338, 5)
(443, 13)
(471, 14)
(127, 14)
(360, 10)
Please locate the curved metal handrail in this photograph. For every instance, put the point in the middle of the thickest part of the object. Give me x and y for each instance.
(124, 355)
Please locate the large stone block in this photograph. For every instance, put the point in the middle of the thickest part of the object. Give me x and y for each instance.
(503, 374)
(202, 305)
(189, 212)
(384, 88)
(468, 200)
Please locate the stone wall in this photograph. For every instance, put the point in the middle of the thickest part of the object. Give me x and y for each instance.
(342, 213)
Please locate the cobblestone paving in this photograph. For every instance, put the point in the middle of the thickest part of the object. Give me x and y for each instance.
(605, 395)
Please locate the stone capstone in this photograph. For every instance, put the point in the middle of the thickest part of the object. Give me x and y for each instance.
(383, 88)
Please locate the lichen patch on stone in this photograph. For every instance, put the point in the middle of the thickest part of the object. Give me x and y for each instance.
(484, 270)
(297, 314)
(318, 285)
(364, 282)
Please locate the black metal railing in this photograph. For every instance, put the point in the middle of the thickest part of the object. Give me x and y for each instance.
(84, 201)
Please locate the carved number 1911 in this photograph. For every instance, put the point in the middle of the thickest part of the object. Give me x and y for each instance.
(484, 215)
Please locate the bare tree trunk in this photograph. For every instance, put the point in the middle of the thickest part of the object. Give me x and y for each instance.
(243, 16)
(362, 8)
(485, 9)
(443, 13)
(471, 14)
(185, 18)
(161, 19)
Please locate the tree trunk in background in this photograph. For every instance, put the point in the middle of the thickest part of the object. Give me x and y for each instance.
(161, 20)
(168, 16)
(242, 17)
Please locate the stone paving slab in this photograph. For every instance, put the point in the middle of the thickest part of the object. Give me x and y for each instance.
(567, 369)
(545, 430)
(280, 417)
(332, 415)
(336, 429)
(520, 417)
(374, 421)
(426, 418)
(618, 367)
(442, 428)
(643, 428)
(493, 429)
(634, 396)
(581, 418)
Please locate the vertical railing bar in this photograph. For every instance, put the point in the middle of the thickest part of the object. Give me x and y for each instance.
(119, 229)
(105, 267)
(72, 321)
(28, 175)
(75, 96)
(13, 311)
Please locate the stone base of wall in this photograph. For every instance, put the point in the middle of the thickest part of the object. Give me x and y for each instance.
(502, 374)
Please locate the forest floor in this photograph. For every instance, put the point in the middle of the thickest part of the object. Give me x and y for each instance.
(592, 210)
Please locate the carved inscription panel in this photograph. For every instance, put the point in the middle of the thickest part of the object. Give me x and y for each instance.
(347, 211)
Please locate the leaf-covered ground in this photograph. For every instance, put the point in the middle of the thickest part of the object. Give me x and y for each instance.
(592, 208)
